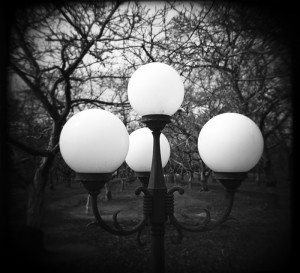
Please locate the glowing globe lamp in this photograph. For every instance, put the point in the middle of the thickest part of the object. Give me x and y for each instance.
(94, 141)
(230, 143)
(139, 157)
(155, 89)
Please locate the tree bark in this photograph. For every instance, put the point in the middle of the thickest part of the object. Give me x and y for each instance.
(36, 192)
(203, 177)
(108, 194)
(190, 181)
(31, 237)
(171, 177)
(272, 196)
(122, 184)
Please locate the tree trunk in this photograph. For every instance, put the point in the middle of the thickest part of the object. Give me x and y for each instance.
(36, 193)
(108, 193)
(35, 204)
(88, 204)
(171, 178)
(68, 182)
(203, 179)
(257, 178)
(190, 181)
(272, 196)
(31, 241)
(182, 175)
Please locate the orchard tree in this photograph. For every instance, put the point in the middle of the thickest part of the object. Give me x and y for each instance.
(58, 64)
(232, 64)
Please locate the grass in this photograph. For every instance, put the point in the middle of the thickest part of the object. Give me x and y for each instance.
(259, 240)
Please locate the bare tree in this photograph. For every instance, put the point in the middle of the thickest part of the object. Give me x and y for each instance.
(230, 64)
(55, 69)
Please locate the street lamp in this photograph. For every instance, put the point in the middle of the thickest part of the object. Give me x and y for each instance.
(230, 144)
(140, 153)
(94, 143)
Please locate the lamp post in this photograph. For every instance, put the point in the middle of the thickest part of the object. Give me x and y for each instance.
(94, 143)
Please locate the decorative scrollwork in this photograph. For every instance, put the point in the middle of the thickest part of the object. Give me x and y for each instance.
(197, 228)
(117, 229)
(141, 225)
(226, 214)
(93, 223)
(143, 190)
(99, 221)
(174, 189)
(136, 228)
(208, 223)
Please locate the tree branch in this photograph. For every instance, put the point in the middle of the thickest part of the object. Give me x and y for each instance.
(28, 149)
(37, 92)
(84, 51)
(147, 53)
(78, 101)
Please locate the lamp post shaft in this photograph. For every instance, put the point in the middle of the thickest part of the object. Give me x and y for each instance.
(157, 256)
(156, 180)
(158, 190)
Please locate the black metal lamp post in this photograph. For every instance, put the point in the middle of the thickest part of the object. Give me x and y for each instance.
(95, 143)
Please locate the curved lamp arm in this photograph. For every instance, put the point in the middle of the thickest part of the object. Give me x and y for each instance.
(117, 230)
(207, 224)
(143, 222)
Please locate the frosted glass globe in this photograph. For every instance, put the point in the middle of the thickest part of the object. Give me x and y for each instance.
(94, 141)
(155, 89)
(139, 157)
(230, 142)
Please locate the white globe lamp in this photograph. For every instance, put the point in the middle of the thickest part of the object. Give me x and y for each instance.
(155, 89)
(230, 143)
(139, 157)
(94, 142)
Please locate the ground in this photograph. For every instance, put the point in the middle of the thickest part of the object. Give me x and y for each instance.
(257, 240)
